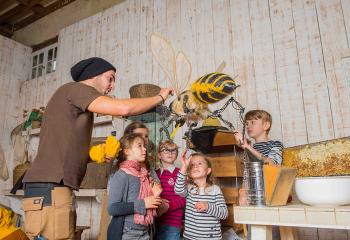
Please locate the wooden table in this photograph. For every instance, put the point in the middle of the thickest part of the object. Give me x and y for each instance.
(295, 215)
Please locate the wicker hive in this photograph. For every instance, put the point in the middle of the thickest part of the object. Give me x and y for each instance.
(143, 90)
(327, 158)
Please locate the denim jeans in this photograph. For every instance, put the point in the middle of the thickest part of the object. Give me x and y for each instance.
(165, 232)
(135, 234)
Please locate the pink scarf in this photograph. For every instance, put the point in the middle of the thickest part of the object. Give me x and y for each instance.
(134, 168)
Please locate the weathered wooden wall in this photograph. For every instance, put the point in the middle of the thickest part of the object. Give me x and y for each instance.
(14, 67)
(287, 54)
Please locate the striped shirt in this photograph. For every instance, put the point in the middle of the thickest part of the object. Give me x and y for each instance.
(173, 217)
(270, 149)
(202, 225)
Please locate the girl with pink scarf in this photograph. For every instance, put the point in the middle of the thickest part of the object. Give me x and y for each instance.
(132, 200)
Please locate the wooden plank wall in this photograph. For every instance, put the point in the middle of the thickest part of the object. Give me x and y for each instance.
(14, 68)
(287, 55)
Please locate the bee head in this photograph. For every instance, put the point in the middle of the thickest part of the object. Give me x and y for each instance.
(185, 103)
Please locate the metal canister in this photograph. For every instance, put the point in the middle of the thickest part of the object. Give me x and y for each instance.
(253, 179)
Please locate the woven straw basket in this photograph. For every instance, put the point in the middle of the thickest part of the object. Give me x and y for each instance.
(144, 90)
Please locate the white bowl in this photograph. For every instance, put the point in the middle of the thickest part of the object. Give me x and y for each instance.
(323, 191)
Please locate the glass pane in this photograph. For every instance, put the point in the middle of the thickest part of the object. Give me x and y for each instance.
(41, 58)
(55, 53)
(54, 65)
(33, 73)
(40, 70)
(50, 55)
(35, 60)
(49, 67)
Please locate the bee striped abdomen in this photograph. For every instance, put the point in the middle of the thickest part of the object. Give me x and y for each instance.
(213, 87)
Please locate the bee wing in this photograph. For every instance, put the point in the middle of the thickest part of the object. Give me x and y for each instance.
(221, 67)
(183, 71)
(164, 54)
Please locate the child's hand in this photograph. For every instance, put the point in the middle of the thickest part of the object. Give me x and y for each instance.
(163, 207)
(201, 206)
(243, 200)
(108, 159)
(152, 202)
(185, 162)
(239, 138)
(156, 189)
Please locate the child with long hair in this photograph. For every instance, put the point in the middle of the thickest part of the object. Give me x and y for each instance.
(205, 203)
(141, 128)
(132, 200)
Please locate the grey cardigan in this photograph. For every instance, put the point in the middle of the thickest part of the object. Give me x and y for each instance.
(123, 199)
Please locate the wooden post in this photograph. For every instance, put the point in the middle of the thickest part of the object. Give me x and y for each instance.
(261, 232)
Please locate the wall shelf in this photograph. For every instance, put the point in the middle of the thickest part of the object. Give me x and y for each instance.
(97, 121)
(103, 120)
(31, 132)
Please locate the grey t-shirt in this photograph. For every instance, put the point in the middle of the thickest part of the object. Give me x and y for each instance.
(125, 186)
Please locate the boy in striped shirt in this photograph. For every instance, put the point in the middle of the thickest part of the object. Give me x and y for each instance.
(169, 223)
(258, 124)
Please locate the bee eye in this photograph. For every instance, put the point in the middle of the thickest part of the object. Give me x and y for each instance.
(178, 98)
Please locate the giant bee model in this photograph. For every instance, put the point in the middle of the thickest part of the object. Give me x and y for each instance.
(191, 105)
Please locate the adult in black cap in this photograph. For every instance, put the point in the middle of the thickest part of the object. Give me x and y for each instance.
(65, 137)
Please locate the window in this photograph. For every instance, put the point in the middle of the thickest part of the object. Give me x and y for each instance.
(44, 61)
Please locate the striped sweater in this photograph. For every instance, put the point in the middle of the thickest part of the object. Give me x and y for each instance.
(173, 217)
(270, 149)
(202, 225)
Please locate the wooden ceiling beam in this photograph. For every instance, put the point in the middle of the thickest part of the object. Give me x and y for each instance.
(49, 9)
(29, 3)
(33, 5)
(6, 31)
(21, 14)
(4, 4)
(12, 12)
(39, 9)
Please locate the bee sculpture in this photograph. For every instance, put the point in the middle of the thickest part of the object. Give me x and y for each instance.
(192, 100)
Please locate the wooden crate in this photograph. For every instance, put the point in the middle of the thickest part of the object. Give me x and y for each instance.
(278, 181)
(229, 222)
(225, 164)
(230, 195)
(225, 141)
(224, 138)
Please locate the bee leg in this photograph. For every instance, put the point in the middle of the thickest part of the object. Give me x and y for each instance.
(184, 106)
(230, 125)
(164, 128)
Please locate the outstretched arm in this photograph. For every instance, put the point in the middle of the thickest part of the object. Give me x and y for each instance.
(180, 185)
(127, 107)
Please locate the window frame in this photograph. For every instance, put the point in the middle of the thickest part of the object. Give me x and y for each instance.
(45, 63)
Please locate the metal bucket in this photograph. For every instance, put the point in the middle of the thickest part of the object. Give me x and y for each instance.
(253, 179)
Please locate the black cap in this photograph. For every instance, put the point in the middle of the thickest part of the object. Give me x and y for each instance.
(89, 68)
